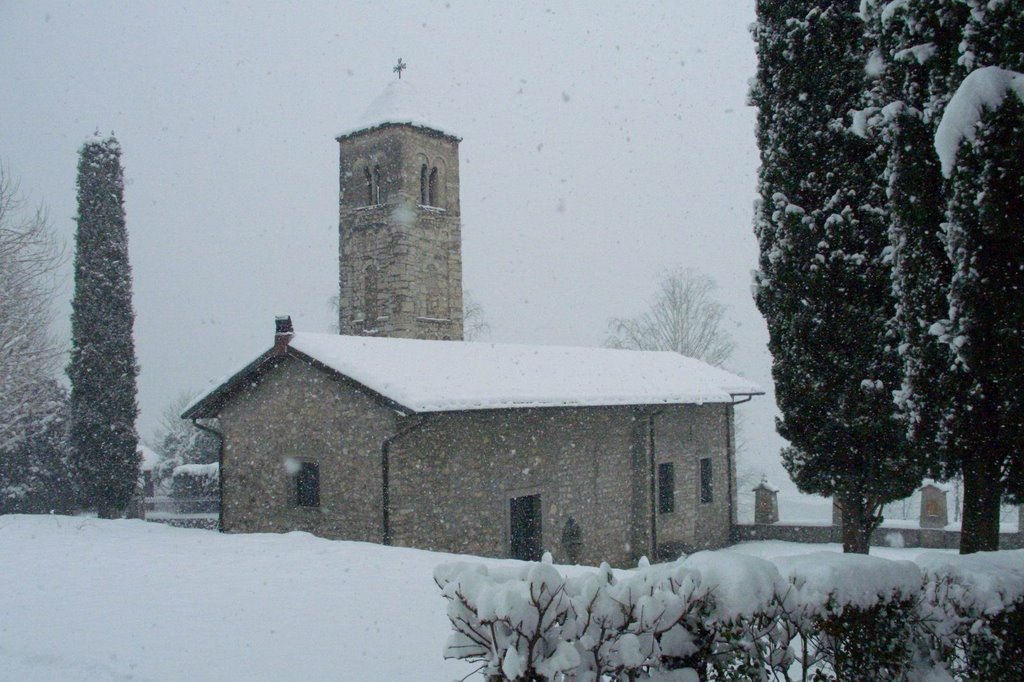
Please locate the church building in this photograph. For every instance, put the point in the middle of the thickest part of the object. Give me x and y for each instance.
(399, 432)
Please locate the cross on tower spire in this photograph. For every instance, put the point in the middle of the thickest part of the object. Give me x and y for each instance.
(400, 67)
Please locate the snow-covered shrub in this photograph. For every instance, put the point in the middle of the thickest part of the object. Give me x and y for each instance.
(509, 619)
(195, 486)
(747, 639)
(727, 616)
(973, 606)
(649, 621)
(853, 613)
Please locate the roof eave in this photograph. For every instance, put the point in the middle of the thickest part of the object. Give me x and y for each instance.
(389, 124)
(210, 405)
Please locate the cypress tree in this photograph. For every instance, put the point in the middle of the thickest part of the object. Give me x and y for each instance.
(952, 274)
(918, 43)
(103, 369)
(823, 283)
(985, 243)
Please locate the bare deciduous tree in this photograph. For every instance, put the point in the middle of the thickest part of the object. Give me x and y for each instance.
(474, 321)
(683, 317)
(30, 354)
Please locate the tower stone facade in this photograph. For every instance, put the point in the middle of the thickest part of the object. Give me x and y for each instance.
(400, 232)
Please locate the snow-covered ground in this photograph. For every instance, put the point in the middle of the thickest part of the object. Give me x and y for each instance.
(86, 599)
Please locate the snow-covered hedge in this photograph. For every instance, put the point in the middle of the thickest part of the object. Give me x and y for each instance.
(195, 487)
(727, 616)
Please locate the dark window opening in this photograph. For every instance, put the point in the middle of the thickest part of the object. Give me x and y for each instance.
(706, 490)
(369, 188)
(377, 194)
(525, 527)
(572, 541)
(371, 296)
(424, 194)
(666, 488)
(307, 485)
(432, 188)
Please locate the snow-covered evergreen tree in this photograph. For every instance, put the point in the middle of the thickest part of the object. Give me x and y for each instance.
(103, 368)
(823, 283)
(917, 46)
(952, 406)
(985, 238)
(35, 473)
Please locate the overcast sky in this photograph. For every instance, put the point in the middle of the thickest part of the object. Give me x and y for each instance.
(602, 143)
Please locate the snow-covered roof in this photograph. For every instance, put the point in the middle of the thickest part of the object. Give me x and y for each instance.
(399, 103)
(445, 376)
(929, 483)
(438, 376)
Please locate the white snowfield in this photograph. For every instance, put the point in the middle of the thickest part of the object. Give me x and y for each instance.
(85, 599)
(436, 376)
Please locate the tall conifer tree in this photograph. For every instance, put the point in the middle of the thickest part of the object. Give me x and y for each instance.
(823, 283)
(103, 368)
(955, 246)
(985, 242)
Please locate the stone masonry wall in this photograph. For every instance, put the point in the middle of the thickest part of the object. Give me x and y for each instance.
(452, 479)
(416, 248)
(683, 436)
(301, 412)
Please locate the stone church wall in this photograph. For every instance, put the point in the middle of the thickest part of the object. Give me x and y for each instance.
(452, 476)
(300, 412)
(452, 480)
(683, 436)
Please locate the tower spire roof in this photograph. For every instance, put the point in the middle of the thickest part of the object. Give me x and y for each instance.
(398, 103)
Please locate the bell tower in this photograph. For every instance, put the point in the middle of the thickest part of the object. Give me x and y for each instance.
(399, 223)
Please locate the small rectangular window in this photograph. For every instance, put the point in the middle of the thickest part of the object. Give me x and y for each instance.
(666, 488)
(307, 485)
(706, 489)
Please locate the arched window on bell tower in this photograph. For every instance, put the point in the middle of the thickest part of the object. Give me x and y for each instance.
(432, 188)
(424, 193)
(376, 186)
(369, 188)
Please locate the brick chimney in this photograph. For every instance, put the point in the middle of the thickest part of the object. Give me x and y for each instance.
(283, 333)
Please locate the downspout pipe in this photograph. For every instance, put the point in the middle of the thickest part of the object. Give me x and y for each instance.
(730, 450)
(385, 476)
(653, 468)
(220, 469)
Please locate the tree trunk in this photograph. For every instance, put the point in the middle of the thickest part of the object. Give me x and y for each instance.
(858, 523)
(982, 494)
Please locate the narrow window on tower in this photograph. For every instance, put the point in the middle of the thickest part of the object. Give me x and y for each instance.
(369, 188)
(435, 306)
(706, 490)
(432, 187)
(424, 194)
(666, 488)
(377, 194)
(371, 293)
(307, 485)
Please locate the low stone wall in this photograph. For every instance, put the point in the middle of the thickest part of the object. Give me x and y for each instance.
(882, 537)
(203, 521)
